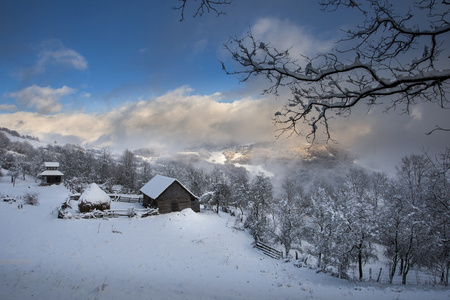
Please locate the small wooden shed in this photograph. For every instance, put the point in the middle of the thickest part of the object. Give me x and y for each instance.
(51, 174)
(168, 195)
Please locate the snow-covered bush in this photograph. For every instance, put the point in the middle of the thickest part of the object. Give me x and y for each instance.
(30, 198)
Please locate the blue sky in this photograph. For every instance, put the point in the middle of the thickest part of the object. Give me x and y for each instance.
(129, 74)
(129, 49)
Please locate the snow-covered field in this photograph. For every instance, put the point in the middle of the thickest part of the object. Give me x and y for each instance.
(183, 255)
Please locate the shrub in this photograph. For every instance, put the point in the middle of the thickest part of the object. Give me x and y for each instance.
(30, 198)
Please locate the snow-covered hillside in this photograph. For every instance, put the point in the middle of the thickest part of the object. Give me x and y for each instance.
(183, 255)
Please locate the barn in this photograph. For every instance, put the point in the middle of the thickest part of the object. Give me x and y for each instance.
(51, 174)
(168, 195)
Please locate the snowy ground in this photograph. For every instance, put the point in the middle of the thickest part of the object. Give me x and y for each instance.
(174, 256)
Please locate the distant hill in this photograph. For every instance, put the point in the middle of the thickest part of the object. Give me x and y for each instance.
(275, 160)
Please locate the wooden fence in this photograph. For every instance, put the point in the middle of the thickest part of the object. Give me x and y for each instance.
(130, 212)
(269, 251)
(109, 213)
(126, 198)
(116, 198)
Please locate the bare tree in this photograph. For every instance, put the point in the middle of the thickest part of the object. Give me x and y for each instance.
(396, 56)
(203, 6)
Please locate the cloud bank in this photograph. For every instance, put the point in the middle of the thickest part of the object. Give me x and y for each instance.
(180, 119)
(44, 99)
(177, 119)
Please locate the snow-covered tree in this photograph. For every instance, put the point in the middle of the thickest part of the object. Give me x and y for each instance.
(404, 222)
(221, 196)
(105, 166)
(379, 186)
(4, 141)
(436, 215)
(260, 201)
(289, 215)
(342, 224)
(320, 226)
(196, 181)
(126, 172)
(144, 173)
(240, 189)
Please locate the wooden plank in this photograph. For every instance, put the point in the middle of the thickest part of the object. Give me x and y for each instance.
(269, 251)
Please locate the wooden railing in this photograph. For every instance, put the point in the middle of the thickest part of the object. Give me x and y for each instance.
(269, 251)
(130, 212)
(109, 213)
(123, 198)
(116, 198)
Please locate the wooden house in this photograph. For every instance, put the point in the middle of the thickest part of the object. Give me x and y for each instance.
(51, 174)
(168, 195)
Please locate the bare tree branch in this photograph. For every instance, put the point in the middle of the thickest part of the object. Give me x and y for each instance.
(437, 128)
(205, 6)
(389, 66)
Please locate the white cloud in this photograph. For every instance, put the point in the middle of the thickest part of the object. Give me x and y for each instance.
(8, 107)
(416, 113)
(44, 99)
(180, 119)
(85, 95)
(54, 53)
(176, 119)
(283, 35)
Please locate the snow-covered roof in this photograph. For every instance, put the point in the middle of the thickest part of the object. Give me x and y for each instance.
(158, 184)
(51, 173)
(51, 164)
(94, 194)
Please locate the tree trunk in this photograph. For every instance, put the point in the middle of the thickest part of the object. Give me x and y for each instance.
(360, 264)
(405, 271)
(379, 275)
(319, 260)
(404, 277)
(446, 274)
(394, 267)
(287, 248)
